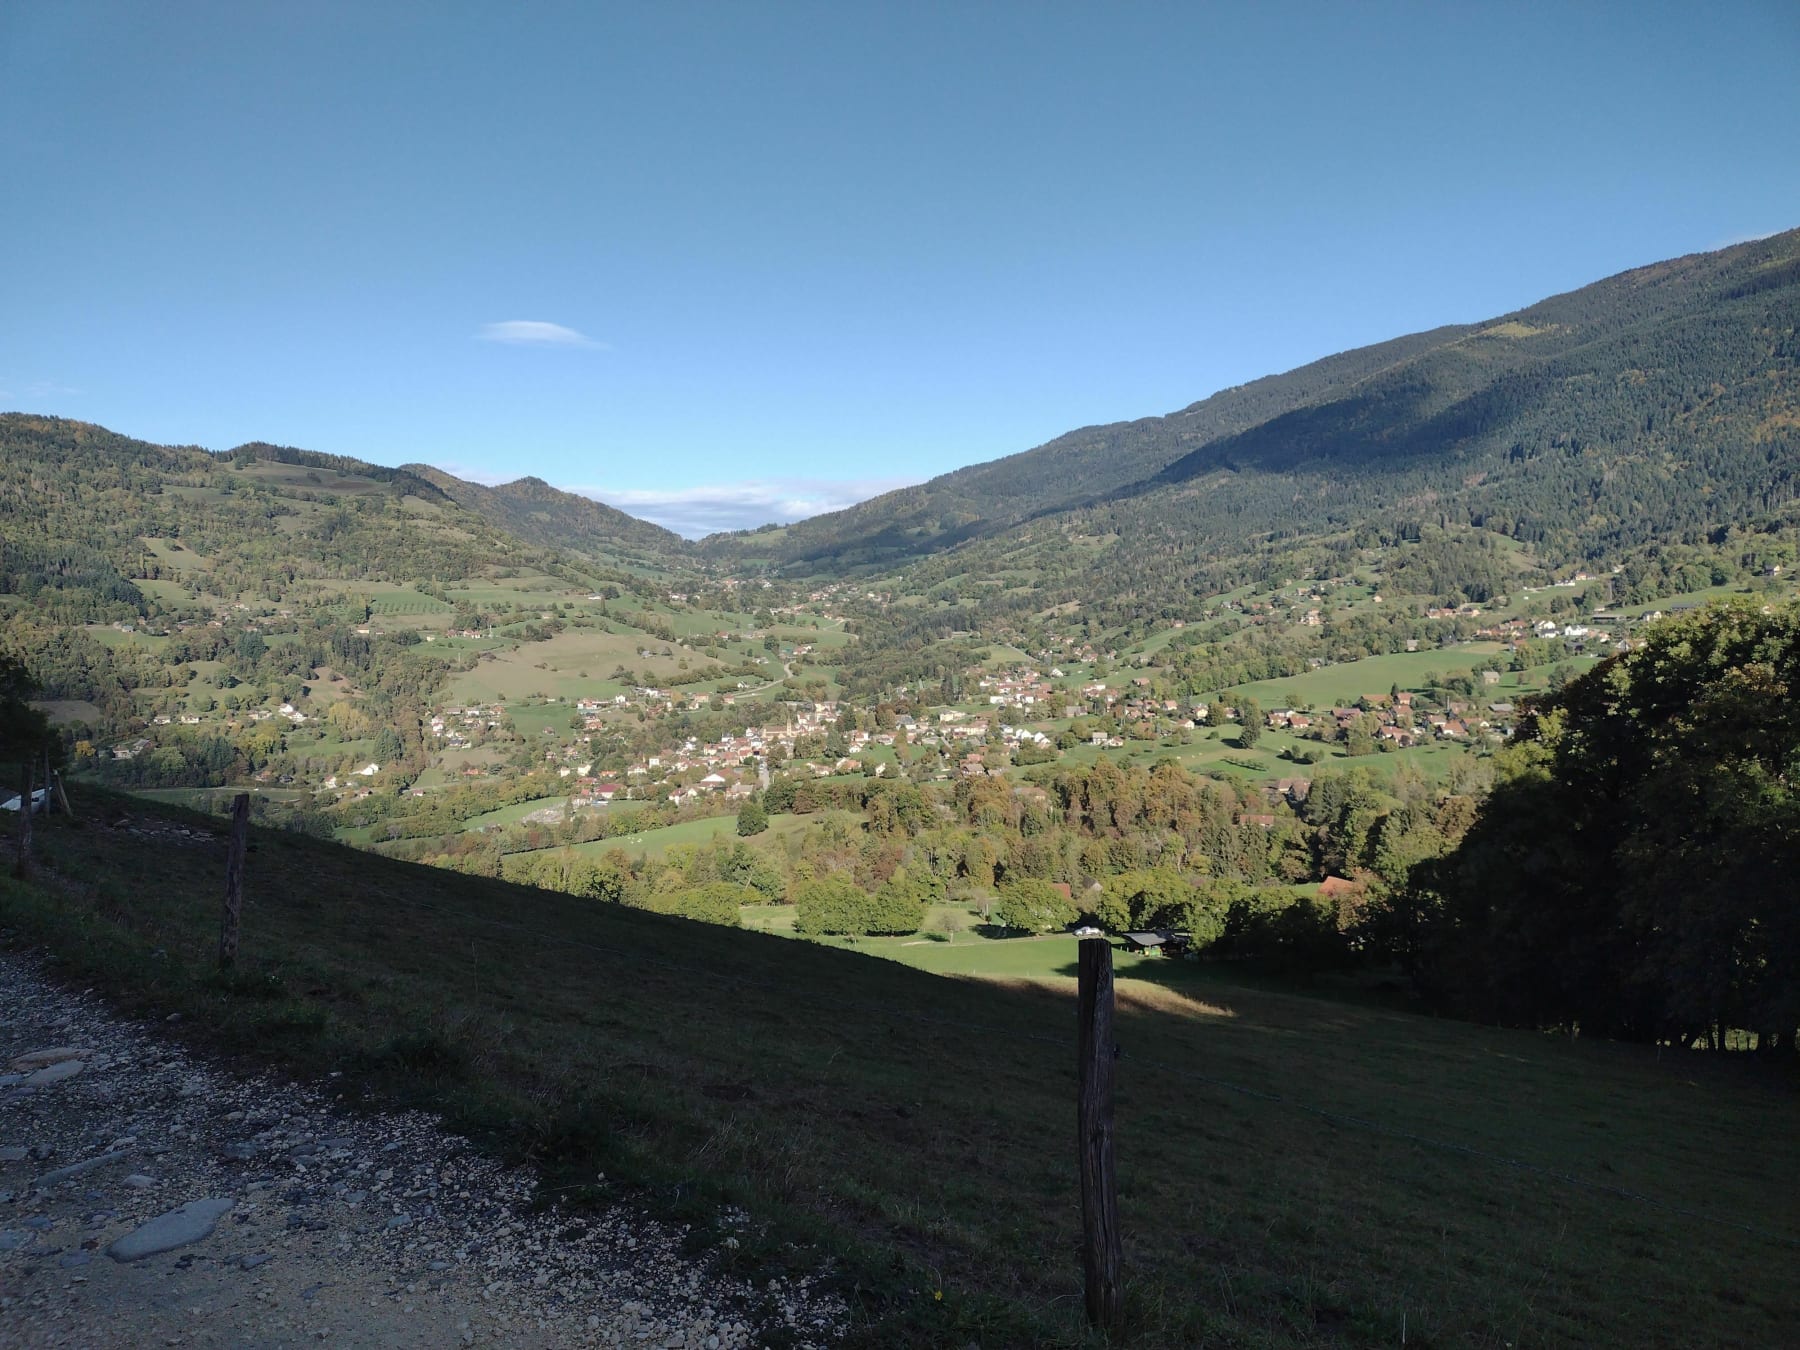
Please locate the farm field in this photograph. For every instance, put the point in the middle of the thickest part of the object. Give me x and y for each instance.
(576, 663)
(62, 711)
(450, 764)
(108, 636)
(274, 473)
(408, 604)
(1050, 957)
(529, 591)
(162, 589)
(512, 815)
(177, 556)
(1265, 759)
(1782, 590)
(656, 843)
(1295, 1171)
(532, 720)
(1343, 684)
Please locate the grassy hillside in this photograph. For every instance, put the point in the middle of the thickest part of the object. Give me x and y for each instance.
(1294, 1171)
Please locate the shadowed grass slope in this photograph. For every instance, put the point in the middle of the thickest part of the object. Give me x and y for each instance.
(919, 1129)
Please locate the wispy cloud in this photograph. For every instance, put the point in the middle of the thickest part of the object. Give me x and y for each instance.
(33, 390)
(707, 509)
(536, 333)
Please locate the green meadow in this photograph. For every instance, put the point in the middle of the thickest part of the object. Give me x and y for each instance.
(1294, 1170)
(1338, 685)
(656, 843)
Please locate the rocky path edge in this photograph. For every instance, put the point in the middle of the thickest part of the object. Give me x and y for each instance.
(149, 1198)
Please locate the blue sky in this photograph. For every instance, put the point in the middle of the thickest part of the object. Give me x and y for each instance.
(720, 263)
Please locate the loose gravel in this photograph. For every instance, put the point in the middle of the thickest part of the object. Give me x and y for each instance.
(148, 1198)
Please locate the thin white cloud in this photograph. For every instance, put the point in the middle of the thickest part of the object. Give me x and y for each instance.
(34, 389)
(535, 333)
(712, 507)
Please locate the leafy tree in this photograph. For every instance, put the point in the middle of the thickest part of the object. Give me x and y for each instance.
(25, 735)
(1250, 722)
(24, 731)
(1632, 873)
(752, 818)
(1149, 898)
(718, 902)
(837, 905)
(1034, 906)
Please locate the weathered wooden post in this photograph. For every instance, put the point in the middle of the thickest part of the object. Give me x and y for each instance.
(62, 796)
(22, 864)
(1101, 1255)
(234, 879)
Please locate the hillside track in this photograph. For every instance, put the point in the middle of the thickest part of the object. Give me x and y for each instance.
(148, 1198)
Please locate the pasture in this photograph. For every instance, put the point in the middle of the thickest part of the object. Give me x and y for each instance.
(656, 843)
(1333, 686)
(512, 815)
(63, 711)
(1221, 754)
(409, 604)
(1294, 1171)
(576, 663)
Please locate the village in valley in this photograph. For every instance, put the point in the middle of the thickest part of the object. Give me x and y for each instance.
(706, 747)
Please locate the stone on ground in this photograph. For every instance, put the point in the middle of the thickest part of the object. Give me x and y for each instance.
(55, 1073)
(193, 1221)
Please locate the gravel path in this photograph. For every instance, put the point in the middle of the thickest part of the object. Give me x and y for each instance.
(149, 1199)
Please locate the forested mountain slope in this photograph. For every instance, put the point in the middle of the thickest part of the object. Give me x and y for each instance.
(1077, 466)
(86, 513)
(1660, 401)
(532, 510)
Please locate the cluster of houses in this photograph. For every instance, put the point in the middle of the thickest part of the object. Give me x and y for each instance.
(1017, 689)
(1399, 722)
(368, 770)
(723, 766)
(453, 727)
(1580, 636)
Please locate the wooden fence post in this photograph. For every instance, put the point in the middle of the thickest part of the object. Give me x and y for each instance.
(1101, 1254)
(234, 879)
(22, 864)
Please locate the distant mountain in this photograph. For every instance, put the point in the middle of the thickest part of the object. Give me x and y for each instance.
(531, 509)
(1659, 399)
(87, 514)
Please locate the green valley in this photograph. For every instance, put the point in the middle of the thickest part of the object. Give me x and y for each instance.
(1418, 725)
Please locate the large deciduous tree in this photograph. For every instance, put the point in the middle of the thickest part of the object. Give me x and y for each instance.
(1633, 872)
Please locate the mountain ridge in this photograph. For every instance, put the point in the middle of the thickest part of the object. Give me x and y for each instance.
(528, 509)
(1439, 391)
(542, 514)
